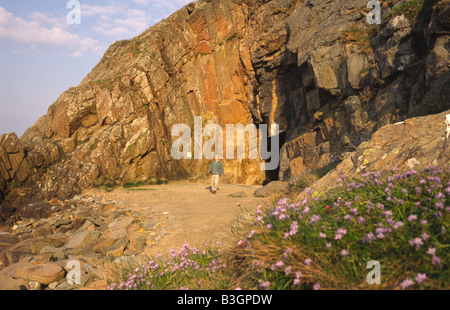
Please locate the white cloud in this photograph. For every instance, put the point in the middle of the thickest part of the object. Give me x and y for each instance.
(116, 20)
(142, 2)
(43, 33)
(45, 20)
(120, 21)
(177, 4)
(99, 10)
(170, 6)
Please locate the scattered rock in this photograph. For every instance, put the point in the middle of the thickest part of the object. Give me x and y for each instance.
(35, 286)
(58, 254)
(109, 208)
(44, 274)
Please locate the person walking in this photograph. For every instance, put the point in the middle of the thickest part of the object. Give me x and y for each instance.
(216, 171)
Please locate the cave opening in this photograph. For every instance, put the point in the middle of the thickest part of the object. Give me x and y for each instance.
(272, 174)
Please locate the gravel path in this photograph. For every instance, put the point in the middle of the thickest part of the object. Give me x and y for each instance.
(186, 212)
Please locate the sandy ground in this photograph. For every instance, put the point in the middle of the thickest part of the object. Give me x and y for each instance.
(186, 212)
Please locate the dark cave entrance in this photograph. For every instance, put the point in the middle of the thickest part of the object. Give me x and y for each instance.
(273, 174)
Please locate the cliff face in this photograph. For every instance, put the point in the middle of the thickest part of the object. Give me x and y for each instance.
(314, 67)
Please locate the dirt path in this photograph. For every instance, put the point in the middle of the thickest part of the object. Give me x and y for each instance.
(185, 212)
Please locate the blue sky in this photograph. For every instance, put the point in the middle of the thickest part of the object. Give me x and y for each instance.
(42, 55)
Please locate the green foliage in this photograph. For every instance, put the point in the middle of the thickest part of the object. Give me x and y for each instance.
(401, 220)
(109, 185)
(300, 182)
(132, 185)
(232, 37)
(359, 36)
(414, 10)
(108, 83)
(149, 181)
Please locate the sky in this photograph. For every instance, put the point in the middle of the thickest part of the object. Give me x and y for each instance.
(46, 47)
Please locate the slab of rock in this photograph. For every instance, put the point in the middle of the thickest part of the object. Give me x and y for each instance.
(82, 238)
(104, 246)
(116, 234)
(121, 223)
(117, 252)
(78, 222)
(45, 273)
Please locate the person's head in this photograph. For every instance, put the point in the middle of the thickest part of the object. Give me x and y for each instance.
(216, 157)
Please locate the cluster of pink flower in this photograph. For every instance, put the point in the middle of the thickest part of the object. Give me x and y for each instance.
(407, 205)
(420, 277)
(180, 262)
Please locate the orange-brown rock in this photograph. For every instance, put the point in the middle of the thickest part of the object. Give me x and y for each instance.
(313, 67)
(44, 273)
(413, 144)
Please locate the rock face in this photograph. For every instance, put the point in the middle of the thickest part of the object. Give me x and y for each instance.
(273, 188)
(314, 67)
(410, 145)
(14, 167)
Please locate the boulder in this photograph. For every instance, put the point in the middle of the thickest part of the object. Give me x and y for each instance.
(413, 144)
(44, 274)
(14, 167)
(81, 239)
(396, 24)
(275, 187)
(438, 60)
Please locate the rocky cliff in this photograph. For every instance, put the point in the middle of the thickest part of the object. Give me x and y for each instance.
(316, 68)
